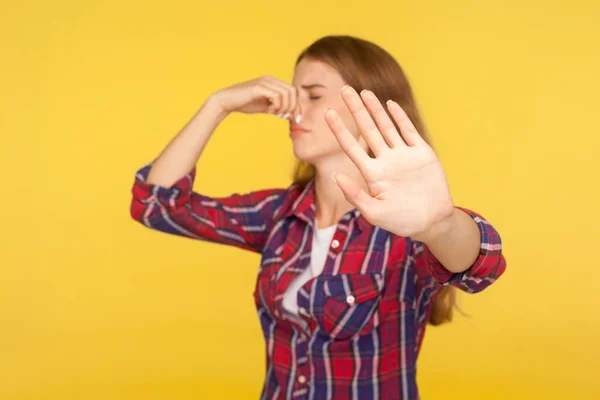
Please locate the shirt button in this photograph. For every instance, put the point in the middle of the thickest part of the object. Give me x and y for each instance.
(335, 244)
(350, 299)
(302, 379)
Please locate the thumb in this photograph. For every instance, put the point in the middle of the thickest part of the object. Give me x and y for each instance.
(354, 193)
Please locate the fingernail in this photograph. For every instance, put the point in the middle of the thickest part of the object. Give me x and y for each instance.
(346, 87)
(279, 115)
(286, 115)
(362, 92)
(388, 102)
(333, 177)
(298, 118)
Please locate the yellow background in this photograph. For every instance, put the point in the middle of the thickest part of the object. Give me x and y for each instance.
(94, 306)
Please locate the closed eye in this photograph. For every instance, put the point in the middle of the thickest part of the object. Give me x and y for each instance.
(314, 97)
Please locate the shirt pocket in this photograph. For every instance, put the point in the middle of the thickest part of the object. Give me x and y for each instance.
(346, 306)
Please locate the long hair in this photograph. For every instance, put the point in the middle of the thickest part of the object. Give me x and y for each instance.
(365, 65)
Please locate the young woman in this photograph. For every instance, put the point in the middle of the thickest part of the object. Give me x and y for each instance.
(361, 251)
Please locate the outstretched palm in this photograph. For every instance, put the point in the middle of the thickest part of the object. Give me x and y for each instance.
(408, 190)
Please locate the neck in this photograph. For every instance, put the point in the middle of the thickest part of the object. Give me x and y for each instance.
(330, 203)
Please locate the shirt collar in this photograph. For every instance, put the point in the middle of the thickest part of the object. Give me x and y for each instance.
(304, 208)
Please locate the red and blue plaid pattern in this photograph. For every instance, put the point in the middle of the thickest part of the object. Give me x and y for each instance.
(362, 320)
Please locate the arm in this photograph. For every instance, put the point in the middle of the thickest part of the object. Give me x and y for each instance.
(241, 220)
(455, 241)
(181, 155)
(262, 95)
(475, 255)
(162, 193)
(408, 194)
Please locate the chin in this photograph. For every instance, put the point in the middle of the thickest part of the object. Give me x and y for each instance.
(312, 154)
(306, 152)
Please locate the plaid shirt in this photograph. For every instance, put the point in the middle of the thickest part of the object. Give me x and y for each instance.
(365, 314)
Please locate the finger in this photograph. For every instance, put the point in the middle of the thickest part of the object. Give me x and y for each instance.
(275, 85)
(292, 100)
(407, 129)
(363, 120)
(290, 92)
(382, 119)
(297, 112)
(282, 95)
(347, 141)
(271, 95)
(355, 194)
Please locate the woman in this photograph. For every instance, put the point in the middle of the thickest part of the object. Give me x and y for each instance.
(352, 267)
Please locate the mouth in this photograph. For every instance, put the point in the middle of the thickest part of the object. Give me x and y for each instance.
(297, 130)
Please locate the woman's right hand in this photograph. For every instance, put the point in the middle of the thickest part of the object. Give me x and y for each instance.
(261, 95)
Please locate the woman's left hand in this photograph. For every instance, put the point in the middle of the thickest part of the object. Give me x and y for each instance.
(408, 190)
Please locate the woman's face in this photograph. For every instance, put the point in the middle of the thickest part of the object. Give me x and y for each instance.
(319, 88)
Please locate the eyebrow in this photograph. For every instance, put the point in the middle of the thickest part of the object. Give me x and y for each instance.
(313, 86)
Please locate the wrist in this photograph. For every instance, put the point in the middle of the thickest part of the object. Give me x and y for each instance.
(440, 230)
(214, 104)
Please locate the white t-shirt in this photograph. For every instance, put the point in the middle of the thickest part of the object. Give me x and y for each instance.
(320, 247)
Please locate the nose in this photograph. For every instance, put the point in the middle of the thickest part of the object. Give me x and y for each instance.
(299, 104)
(297, 115)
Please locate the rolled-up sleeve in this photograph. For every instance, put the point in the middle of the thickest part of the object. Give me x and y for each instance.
(241, 220)
(487, 268)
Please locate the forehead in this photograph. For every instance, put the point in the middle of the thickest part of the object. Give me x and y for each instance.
(309, 72)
